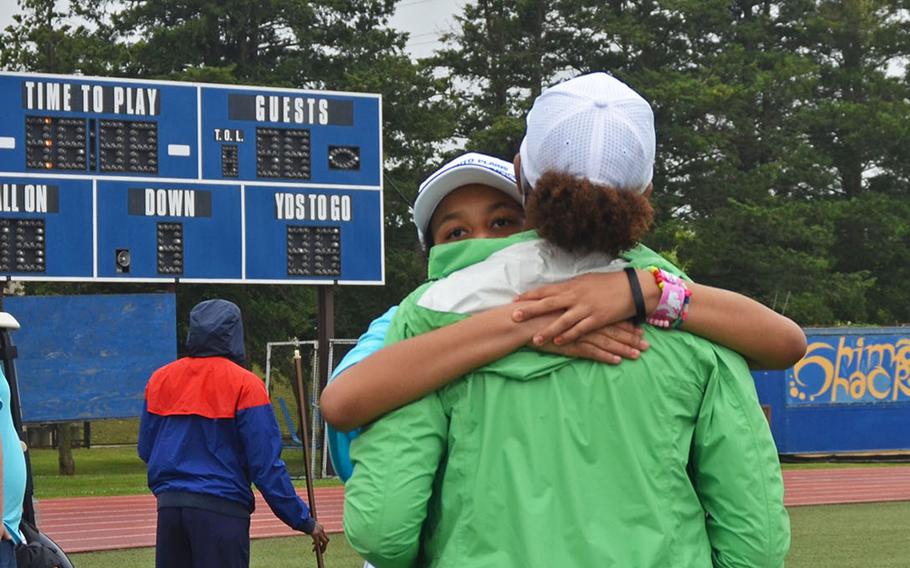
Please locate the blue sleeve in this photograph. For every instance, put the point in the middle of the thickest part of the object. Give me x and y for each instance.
(148, 430)
(370, 342)
(262, 445)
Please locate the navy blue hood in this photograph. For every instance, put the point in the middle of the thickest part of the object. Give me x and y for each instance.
(216, 330)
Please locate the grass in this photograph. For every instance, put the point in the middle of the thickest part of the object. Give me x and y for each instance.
(104, 471)
(847, 536)
(109, 470)
(829, 536)
(99, 471)
(113, 432)
(265, 553)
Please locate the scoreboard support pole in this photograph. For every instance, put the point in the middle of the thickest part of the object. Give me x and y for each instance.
(326, 327)
(325, 332)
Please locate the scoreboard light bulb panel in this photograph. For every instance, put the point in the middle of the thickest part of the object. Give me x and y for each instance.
(112, 180)
(314, 250)
(55, 143)
(45, 228)
(126, 146)
(170, 248)
(22, 245)
(283, 153)
(344, 157)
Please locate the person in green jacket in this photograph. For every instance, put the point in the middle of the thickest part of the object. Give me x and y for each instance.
(539, 460)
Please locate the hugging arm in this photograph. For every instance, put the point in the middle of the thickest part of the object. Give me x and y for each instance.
(386, 498)
(765, 338)
(409, 369)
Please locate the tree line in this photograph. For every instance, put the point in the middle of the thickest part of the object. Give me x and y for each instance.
(783, 167)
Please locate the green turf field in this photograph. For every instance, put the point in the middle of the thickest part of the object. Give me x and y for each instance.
(115, 471)
(850, 536)
(266, 553)
(829, 536)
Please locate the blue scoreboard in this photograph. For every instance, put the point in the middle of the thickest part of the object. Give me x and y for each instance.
(126, 180)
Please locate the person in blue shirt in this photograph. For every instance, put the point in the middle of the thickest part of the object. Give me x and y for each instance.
(370, 342)
(13, 480)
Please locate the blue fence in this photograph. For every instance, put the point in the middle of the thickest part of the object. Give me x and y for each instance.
(89, 357)
(850, 393)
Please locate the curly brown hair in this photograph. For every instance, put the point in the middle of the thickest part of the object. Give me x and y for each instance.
(579, 216)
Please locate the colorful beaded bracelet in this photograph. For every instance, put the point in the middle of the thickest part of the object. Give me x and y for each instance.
(673, 307)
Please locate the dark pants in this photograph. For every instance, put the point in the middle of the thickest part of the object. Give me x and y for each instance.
(7, 554)
(196, 538)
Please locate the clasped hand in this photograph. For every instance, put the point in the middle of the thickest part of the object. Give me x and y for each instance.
(586, 316)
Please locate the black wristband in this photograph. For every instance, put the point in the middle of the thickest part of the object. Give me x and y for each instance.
(637, 297)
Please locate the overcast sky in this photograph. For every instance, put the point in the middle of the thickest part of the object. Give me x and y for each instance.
(425, 20)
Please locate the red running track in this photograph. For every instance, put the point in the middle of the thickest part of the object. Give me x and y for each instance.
(82, 524)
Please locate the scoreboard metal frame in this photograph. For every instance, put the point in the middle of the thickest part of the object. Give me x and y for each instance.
(127, 180)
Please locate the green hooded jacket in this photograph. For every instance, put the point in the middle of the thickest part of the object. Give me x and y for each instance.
(540, 460)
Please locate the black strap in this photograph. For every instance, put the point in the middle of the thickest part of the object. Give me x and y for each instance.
(637, 297)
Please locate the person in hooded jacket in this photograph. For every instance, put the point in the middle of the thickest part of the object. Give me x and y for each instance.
(207, 431)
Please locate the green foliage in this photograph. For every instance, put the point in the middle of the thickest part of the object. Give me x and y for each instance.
(783, 166)
(780, 132)
(500, 58)
(44, 39)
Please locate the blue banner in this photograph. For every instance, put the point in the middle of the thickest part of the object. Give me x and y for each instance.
(89, 357)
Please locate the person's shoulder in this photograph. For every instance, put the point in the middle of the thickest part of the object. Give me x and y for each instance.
(729, 361)
(215, 372)
(641, 256)
(508, 269)
(369, 342)
(165, 371)
(411, 300)
(701, 356)
(213, 364)
(251, 388)
(384, 319)
(244, 376)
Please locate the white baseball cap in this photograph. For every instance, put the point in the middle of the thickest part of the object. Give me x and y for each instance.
(593, 126)
(471, 168)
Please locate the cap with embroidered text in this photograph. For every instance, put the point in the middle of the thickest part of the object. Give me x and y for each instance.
(467, 169)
